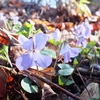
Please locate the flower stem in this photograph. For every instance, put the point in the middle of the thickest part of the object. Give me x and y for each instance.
(77, 66)
(58, 52)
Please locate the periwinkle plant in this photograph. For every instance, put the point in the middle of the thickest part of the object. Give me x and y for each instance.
(33, 57)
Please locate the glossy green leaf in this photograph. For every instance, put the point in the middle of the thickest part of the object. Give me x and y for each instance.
(62, 81)
(48, 52)
(65, 69)
(26, 84)
(54, 42)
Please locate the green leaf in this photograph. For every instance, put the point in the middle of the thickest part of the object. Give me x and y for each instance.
(75, 62)
(85, 51)
(48, 52)
(65, 69)
(84, 8)
(3, 57)
(95, 99)
(54, 42)
(28, 25)
(10, 24)
(4, 54)
(5, 50)
(26, 29)
(62, 80)
(36, 31)
(84, 1)
(91, 44)
(26, 84)
(17, 27)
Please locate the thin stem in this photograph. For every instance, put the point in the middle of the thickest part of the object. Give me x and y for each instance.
(83, 83)
(94, 61)
(57, 55)
(37, 67)
(58, 52)
(77, 66)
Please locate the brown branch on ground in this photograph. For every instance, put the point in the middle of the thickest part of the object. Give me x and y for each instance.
(29, 73)
(87, 72)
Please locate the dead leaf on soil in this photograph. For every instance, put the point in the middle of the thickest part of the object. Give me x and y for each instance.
(93, 89)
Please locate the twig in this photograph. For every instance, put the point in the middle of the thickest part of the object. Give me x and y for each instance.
(83, 83)
(23, 95)
(29, 73)
(86, 72)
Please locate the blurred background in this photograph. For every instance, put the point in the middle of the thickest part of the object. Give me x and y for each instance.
(94, 5)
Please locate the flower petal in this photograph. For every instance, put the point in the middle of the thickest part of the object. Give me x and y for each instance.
(2, 17)
(22, 39)
(74, 52)
(40, 40)
(42, 60)
(24, 62)
(84, 44)
(15, 19)
(79, 29)
(66, 57)
(28, 44)
(56, 34)
(64, 48)
(87, 32)
(25, 42)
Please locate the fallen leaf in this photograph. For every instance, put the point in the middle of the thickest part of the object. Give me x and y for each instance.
(93, 89)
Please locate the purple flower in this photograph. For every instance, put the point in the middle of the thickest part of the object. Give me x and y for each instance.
(87, 31)
(69, 52)
(33, 57)
(83, 32)
(2, 17)
(56, 35)
(15, 19)
(82, 42)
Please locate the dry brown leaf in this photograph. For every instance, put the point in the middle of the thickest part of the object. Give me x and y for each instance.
(93, 89)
